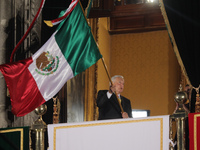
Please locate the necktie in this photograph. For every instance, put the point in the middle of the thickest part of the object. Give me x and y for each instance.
(120, 99)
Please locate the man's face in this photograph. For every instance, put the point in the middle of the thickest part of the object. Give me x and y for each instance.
(119, 85)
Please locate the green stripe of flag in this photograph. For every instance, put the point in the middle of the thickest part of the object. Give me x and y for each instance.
(76, 41)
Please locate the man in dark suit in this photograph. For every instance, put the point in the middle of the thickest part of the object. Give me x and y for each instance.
(108, 104)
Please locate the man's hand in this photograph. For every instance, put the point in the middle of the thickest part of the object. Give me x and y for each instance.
(125, 115)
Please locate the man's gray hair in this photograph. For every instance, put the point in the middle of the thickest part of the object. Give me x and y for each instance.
(116, 76)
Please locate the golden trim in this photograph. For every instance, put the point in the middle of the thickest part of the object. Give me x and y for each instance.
(91, 81)
(16, 130)
(111, 123)
(173, 41)
(195, 131)
(86, 9)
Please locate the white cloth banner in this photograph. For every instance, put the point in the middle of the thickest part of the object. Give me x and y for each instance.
(151, 133)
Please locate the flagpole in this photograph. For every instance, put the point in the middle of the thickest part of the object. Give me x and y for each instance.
(104, 65)
(111, 83)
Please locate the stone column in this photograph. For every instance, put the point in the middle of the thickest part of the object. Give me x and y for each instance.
(5, 17)
(27, 10)
(15, 17)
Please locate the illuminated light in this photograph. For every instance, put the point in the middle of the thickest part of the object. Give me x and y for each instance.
(150, 1)
(140, 113)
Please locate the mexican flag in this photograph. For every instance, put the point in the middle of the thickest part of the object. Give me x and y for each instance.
(68, 52)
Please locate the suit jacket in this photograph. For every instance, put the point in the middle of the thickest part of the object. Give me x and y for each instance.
(109, 108)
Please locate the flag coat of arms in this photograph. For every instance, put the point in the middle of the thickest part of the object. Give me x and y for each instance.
(69, 51)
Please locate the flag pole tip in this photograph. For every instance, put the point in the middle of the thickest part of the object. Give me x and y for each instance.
(49, 23)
